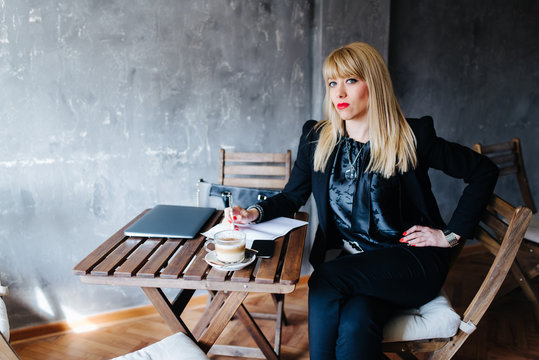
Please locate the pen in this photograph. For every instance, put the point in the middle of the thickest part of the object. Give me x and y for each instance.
(231, 204)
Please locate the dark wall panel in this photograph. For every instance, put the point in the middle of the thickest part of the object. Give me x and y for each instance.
(473, 66)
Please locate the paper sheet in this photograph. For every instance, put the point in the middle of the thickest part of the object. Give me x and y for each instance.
(267, 230)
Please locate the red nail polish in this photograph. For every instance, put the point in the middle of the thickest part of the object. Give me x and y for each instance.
(235, 217)
(404, 233)
(402, 240)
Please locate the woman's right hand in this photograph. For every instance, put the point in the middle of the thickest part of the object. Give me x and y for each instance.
(240, 215)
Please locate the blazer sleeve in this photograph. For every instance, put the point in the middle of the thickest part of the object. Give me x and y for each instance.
(299, 186)
(478, 172)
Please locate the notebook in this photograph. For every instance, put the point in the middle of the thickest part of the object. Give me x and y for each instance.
(171, 221)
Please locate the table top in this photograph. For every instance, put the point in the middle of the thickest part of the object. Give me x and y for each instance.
(179, 263)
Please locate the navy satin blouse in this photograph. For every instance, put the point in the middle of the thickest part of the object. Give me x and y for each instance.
(370, 209)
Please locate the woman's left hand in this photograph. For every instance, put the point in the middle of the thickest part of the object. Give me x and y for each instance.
(424, 236)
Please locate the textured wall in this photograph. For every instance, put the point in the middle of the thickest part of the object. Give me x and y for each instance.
(109, 107)
(473, 66)
(339, 22)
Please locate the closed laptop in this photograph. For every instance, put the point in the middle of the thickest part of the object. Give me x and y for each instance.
(170, 221)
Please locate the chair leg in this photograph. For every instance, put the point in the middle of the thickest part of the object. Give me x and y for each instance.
(522, 281)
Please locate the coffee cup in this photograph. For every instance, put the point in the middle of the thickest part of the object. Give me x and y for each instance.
(229, 245)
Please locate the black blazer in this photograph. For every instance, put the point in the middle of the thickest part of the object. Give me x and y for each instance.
(478, 171)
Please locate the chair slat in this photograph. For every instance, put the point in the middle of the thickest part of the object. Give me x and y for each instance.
(487, 240)
(508, 170)
(502, 207)
(497, 225)
(497, 152)
(489, 149)
(255, 170)
(502, 159)
(255, 183)
(255, 157)
(259, 170)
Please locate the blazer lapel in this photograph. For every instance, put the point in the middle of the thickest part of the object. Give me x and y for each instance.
(321, 182)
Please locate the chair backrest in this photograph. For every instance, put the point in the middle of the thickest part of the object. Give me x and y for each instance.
(501, 231)
(508, 157)
(256, 170)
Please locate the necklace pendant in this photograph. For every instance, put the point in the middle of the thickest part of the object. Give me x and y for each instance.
(350, 174)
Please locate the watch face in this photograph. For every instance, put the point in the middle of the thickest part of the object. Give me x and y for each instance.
(451, 238)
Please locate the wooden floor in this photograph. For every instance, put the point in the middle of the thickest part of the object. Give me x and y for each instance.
(508, 330)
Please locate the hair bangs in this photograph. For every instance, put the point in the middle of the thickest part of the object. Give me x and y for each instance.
(340, 64)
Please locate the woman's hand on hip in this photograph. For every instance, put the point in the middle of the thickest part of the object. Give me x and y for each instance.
(424, 236)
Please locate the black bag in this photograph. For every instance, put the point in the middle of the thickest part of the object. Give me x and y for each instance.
(217, 196)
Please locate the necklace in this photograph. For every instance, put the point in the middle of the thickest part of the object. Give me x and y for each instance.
(351, 173)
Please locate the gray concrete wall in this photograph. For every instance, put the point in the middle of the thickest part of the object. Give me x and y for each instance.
(110, 107)
(473, 66)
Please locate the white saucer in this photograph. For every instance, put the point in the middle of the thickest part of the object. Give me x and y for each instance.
(211, 257)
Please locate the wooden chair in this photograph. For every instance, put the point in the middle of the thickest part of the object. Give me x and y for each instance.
(501, 231)
(6, 351)
(508, 157)
(261, 171)
(255, 170)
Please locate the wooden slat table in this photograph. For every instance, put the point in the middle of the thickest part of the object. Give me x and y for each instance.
(155, 263)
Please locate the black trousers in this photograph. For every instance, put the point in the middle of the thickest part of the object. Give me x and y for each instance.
(352, 297)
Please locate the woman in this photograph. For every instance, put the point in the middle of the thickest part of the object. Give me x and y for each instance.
(367, 167)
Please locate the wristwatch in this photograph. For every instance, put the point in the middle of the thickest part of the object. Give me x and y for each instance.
(451, 238)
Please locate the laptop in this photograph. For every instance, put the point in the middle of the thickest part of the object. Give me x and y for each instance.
(171, 221)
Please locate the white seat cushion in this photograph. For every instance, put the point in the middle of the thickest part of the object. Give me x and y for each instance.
(4, 323)
(435, 319)
(175, 347)
(532, 233)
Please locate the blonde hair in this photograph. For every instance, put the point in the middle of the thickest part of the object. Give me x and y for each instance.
(392, 139)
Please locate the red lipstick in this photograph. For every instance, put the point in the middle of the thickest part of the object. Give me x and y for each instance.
(341, 106)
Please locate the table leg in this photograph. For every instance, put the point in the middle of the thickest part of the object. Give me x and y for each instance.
(211, 309)
(256, 333)
(220, 318)
(164, 308)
